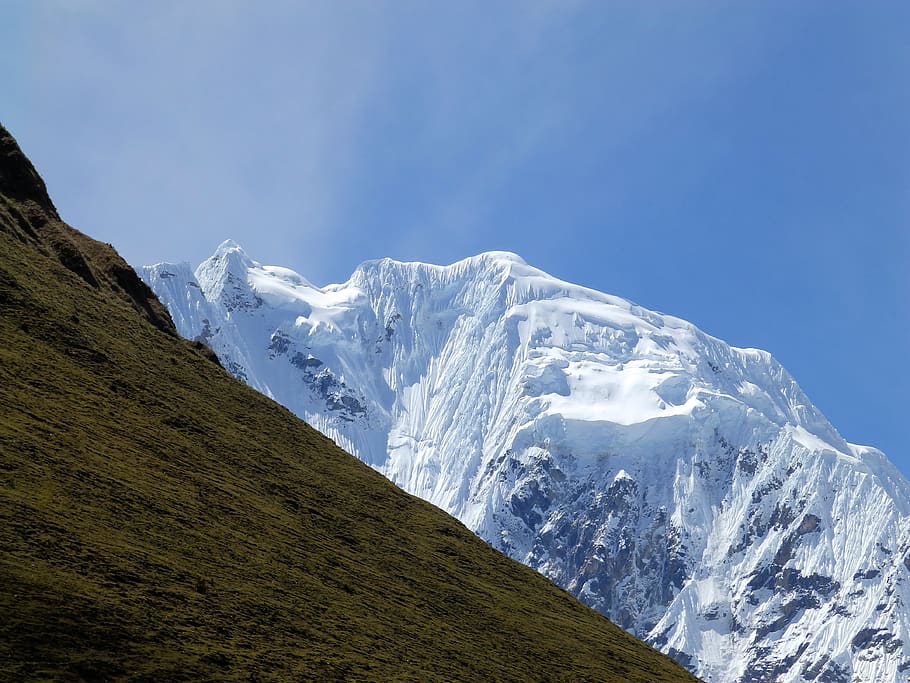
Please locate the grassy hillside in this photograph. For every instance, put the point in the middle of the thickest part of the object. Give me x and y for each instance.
(161, 521)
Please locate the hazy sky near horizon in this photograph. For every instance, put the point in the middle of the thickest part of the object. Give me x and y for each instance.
(745, 165)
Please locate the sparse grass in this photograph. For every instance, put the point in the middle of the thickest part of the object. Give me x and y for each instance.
(161, 521)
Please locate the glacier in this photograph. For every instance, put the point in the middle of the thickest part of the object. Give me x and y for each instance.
(686, 489)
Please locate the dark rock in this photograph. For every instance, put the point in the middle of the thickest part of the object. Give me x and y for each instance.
(390, 325)
(763, 670)
(681, 658)
(793, 580)
(782, 516)
(869, 638)
(747, 462)
(351, 404)
(237, 295)
(527, 501)
(789, 611)
(305, 362)
(825, 671)
(766, 488)
(279, 343)
(866, 575)
(206, 333)
(236, 369)
(786, 550)
(810, 524)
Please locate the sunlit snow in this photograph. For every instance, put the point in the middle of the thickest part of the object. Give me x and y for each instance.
(687, 489)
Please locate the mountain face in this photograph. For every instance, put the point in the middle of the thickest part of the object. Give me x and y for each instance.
(161, 521)
(688, 490)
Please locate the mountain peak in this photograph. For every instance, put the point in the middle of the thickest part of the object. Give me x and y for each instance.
(507, 256)
(224, 276)
(227, 247)
(228, 256)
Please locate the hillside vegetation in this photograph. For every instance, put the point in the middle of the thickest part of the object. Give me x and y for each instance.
(161, 521)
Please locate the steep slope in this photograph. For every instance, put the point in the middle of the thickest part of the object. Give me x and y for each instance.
(688, 490)
(161, 521)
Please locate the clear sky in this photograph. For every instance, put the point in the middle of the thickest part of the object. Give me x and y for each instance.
(743, 165)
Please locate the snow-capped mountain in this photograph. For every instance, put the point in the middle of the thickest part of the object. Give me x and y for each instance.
(687, 489)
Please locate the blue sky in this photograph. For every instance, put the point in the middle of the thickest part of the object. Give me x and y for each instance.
(743, 165)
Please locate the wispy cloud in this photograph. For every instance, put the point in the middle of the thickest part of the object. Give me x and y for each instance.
(210, 118)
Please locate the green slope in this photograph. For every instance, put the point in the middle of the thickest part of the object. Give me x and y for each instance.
(161, 521)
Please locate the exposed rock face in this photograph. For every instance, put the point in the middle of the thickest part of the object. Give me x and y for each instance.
(688, 490)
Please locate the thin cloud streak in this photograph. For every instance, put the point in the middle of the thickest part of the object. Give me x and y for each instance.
(207, 123)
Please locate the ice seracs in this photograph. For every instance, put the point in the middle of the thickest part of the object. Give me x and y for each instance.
(687, 489)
